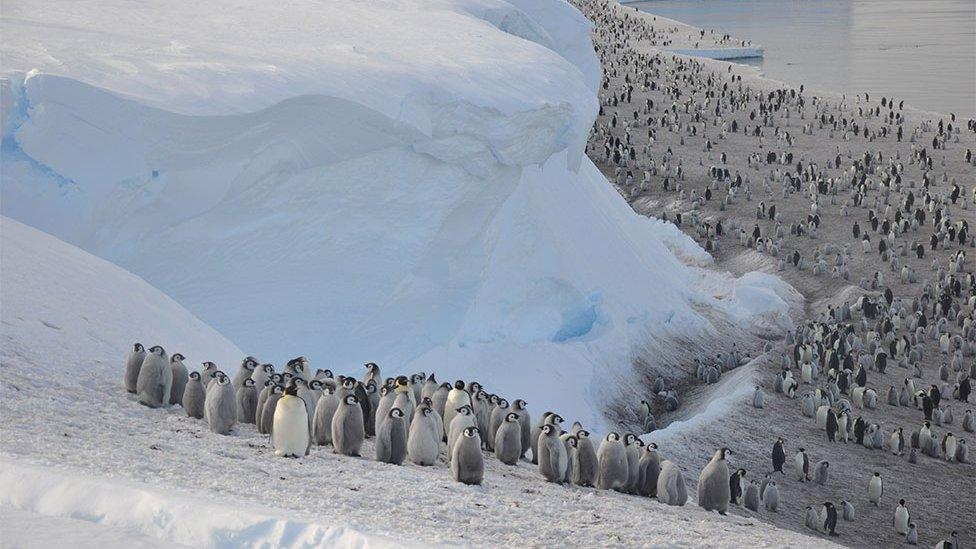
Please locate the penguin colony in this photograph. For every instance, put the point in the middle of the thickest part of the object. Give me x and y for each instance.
(691, 143)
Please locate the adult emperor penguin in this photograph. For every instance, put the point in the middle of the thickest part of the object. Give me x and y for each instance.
(348, 430)
(325, 410)
(802, 464)
(770, 497)
(247, 401)
(424, 440)
(155, 381)
(750, 500)
(266, 423)
(713, 484)
(902, 518)
(508, 440)
(391, 438)
(736, 480)
(194, 396)
(830, 519)
(220, 410)
(464, 417)
(248, 365)
(612, 472)
(180, 377)
(650, 469)
(467, 461)
(820, 476)
(132, 366)
(289, 432)
(634, 448)
(552, 454)
(779, 456)
(671, 485)
(525, 421)
(951, 543)
(586, 454)
(896, 442)
(456, 398)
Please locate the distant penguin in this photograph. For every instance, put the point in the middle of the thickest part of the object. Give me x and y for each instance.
(325, 410)
(424, 437)
(508, 440)
(348, 428)
(525, 421)
(671, 485)
(912, 536)
(820, 477)
(949, 447)
(713, 484)
(802, 464)
(194, 396)
(495, 420)
(132, 366)
(289, 431)
(180, 377)
(391, 438)
(875, 489)
(750, 499)
(812, 519)
(248, 365)
(969, 422)
(830, 519)
(808, 407)
(545, 419)
(962, 451)
(951, 543)
(220, 410)
(552, 454)
(736, 480)
(247, 401)
(297, 367)
(586, 456)
(266, 423)
(770, 497)
(758, 398)
(571, 443)
(155, 381)
(634, 448)
(650, 469)
(612, 472)
(467, 461)
(848, 512)
(902, 518)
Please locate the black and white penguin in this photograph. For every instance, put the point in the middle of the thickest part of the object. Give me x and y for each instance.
(830, 519)
(802, 464)
(348, 430)
(779, 455)
(155, 382)
(290, 436)
(713, 484)
(902, 518)
(467, 461)
(650, 469)
(736, 480)
(220, 410)
(132, 366)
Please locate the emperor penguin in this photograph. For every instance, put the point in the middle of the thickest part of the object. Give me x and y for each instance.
(949, 445)
(266, 423)
(404, 397)
(289, 432)
(586, 455)
(430, 386)
(612, 471)
(132, 366)
(643, 412)
(902, 518)
(155, 381)
(435, 418)
(634, 447)
(424, 438)
(308, 396)
(951, 543)
(770, 497)
(467, 461)
(180, 377)
(812, 519)
(552, 454)
(262, 398)
(571, 443)
(508, 440)
(247, 401)
(220, 410)
(439, 400)
(525, 420)
(261, 374)
(969, 422)
(194, 396)
(463, 417)
(248, 365)
(779, 455)
(808, 407)
(736, 480)
(650, 469)
(802, 464)
(962, 451)
(750, 500)
(325, 410)
(713, 484)
(209, 373)
(391, 438)
(925, 435)
(372, 373)
(456, 398)
(348, 430)
(297, 367)
(912, 536)
(830, 519)
(849, 513)
(498, 415)
(820, 477)
(671, 485)
(479, 404)
(896, 442)
(758, 398)
(387, 399)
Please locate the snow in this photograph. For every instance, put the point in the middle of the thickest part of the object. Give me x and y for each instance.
(398, 182)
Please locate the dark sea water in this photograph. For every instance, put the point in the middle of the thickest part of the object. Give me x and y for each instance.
(922, 51)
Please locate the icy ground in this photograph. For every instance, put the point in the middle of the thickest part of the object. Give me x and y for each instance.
(77, 447)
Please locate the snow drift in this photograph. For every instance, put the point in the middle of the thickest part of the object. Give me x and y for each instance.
(402, 182)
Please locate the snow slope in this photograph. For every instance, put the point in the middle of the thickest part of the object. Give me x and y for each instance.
(400, 182)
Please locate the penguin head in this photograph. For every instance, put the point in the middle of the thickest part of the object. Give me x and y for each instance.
(221, 378)
(481, 396)
(502, 403)
(177, 358)
(249, 363)
(417, 378)
(315, 385)
(511, 417)
(470, 432)
(195, 376)
(426, 401)
(384, 390)
(157, 350)
(723, 453)
(286, 376)
(277, 390)
(464, 410)
(520, 404)
(432, 379)
(401, 382)
(138, 348)
(351, 400)
(548, 429)
(371, 367)
(493, 399)
(396, 413)
(629, 439)
(249, 382)
(292, 388)
(323, 373)
(268, 368)
(555, 419)
(459, 385)
(370, 387)
(901, 502)
(426, 410)
(572, 441)
(613, 437)
(445, 385)
(298, 364)
(277, 378)
(651, 447)
(348, 383)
